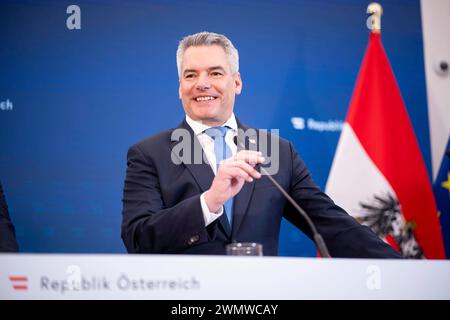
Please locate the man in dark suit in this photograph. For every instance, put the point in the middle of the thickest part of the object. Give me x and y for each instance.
(8, 241)
(193, 189)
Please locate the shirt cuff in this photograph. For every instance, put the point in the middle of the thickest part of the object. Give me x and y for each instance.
(208, 215)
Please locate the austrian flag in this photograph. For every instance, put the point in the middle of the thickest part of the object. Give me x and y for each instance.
(378, 174)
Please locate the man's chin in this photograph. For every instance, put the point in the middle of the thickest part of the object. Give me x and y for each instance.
(211, 119)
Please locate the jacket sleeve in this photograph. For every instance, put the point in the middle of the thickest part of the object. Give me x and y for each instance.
(8, 242)
(343, 235)
(149, 226)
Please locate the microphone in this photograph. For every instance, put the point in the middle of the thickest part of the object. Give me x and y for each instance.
(318, 240)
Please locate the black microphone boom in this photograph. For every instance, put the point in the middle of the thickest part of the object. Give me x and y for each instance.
(320, 243)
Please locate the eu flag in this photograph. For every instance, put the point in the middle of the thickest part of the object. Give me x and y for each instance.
(441, 188)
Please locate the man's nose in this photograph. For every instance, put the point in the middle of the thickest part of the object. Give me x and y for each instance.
(203, 82)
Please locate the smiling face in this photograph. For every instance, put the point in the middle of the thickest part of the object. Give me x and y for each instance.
(207, 86)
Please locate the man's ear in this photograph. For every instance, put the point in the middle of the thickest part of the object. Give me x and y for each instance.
(238, 83)
(179, 89)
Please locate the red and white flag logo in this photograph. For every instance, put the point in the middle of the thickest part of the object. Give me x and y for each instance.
(19, 283)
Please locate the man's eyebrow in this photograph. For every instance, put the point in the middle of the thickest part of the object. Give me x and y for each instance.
(209, 69)
(189, 70)
(216, 68)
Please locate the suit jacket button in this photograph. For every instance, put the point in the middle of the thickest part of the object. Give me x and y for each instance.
(193, 239)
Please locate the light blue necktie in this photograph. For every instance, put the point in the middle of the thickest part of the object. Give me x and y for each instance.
(222, 151)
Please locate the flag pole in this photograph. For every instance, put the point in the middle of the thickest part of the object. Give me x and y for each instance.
(375, 10)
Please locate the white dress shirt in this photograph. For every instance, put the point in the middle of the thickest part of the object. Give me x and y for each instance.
(207, 144)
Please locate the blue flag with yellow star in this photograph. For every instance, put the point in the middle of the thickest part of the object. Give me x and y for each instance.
(441, 188)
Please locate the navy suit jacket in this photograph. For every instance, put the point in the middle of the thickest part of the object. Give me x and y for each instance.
(162, 211)
(8, 241)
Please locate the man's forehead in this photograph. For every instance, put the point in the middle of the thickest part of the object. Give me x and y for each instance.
(204, 48)
(204, 57)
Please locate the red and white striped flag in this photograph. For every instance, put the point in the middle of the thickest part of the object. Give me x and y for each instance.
(378, 174)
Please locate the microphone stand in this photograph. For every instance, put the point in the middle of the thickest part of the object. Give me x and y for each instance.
(318, 240)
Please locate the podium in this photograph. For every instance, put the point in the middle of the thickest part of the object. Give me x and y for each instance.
(183, 277)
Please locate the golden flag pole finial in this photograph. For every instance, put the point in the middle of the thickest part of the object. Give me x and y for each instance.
(375, 10)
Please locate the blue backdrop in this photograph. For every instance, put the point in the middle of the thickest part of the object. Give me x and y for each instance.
(80, 98)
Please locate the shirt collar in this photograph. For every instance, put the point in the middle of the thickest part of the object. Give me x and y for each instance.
(198, 127)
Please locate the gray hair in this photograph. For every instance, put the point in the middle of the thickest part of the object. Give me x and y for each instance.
(206, 38)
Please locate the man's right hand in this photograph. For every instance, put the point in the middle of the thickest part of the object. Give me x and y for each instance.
(231, 176)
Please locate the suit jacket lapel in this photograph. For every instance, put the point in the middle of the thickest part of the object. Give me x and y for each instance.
(242, 199)
(199, 169)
